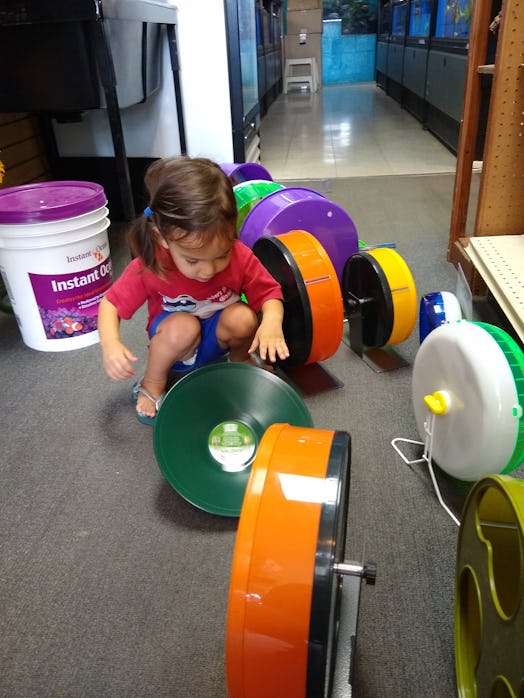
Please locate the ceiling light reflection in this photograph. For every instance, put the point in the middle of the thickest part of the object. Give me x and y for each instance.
(304, 488)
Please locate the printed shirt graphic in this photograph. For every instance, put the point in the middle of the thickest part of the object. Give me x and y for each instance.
(202, 308)
(175, 292)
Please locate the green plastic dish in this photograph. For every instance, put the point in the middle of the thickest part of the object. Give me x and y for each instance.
(208, 428)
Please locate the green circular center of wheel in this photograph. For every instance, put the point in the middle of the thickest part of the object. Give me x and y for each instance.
(232, 444)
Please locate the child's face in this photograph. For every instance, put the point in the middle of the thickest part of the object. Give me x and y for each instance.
(200, 261)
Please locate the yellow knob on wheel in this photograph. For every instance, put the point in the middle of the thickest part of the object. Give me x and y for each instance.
(438, 402)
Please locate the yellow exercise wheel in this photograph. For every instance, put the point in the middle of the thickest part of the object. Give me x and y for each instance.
(489, 591)
(379, 296)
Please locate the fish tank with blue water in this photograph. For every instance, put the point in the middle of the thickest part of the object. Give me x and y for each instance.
(384, 18)
(454, 19)
(420, 17)
(399, 18)
(247, 31)
(277, 24)
(258, 28)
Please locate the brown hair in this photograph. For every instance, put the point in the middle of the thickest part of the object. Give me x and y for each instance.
(186, 196)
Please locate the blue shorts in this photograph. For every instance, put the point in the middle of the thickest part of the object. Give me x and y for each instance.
(208, 350)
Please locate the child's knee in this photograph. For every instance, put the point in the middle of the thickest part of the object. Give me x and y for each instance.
(239, 320)
(179, 326)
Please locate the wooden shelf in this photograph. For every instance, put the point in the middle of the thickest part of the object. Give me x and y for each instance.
(500, 262)
(500, 205)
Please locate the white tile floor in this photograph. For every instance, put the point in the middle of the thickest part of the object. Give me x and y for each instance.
(349, 130)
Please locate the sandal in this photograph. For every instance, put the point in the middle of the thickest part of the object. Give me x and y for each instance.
(157, 401)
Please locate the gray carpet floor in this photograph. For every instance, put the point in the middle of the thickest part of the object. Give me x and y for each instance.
(112, 585)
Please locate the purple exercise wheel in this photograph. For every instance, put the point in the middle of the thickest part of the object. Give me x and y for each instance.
(245, 171)
(299, 208)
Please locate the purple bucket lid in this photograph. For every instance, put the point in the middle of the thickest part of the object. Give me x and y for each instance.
(245, 171)
(296, 208)
(49, 201)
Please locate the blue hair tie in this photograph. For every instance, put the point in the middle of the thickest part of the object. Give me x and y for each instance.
(148, 212)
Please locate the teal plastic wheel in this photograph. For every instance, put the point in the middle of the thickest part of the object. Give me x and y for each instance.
(208, 428)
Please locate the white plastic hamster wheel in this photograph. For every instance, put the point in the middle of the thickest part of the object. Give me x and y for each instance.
(471, 376)
(468, 402)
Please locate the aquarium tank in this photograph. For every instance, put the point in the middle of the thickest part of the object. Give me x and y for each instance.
(399, 19)
(258, 26)
(357, 16)
(420, 17)
(384, 19)
(277, 28)
(454, 19)
(247, 32)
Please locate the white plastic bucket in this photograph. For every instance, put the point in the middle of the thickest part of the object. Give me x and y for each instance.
(55, 261)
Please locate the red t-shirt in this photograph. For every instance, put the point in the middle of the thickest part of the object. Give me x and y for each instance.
(245, 273)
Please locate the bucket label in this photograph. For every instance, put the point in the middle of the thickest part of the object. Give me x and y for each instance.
(68, 303)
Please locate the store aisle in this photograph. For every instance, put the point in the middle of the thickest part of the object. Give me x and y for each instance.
(349, 130)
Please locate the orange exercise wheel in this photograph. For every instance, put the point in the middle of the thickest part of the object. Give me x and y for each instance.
(313, 309)
(284, 589)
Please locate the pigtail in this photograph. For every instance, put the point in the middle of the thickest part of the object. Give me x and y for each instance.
(142, 243)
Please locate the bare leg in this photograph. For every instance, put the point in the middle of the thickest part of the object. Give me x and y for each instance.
(235, 331)
(176, 339)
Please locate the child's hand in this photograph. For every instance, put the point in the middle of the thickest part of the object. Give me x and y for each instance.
(117, 361)
(270, 342)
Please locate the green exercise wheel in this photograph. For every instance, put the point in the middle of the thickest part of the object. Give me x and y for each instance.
(209, 426)
(248, 194)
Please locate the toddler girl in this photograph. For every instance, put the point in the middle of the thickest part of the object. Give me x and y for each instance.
(190, 269)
